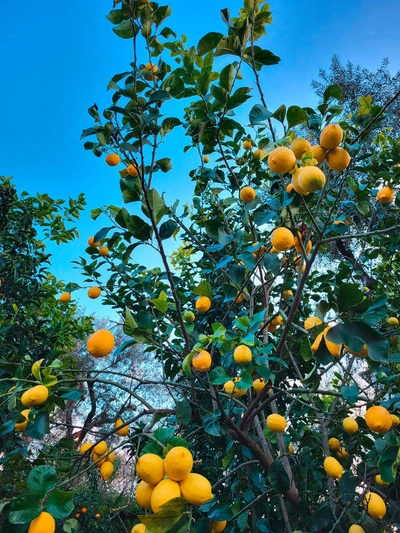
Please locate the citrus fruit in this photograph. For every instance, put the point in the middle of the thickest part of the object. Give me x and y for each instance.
(78, 515)
(311, 179)
(299, 146)
(111, 457)
(331, 136)
(206, 159)
(378, 419)
(103, 251)
(106, 470)
(196, 489)
(97, 515)
(333, 468)
(379, 481)
(319, 153)
(392, 321)
(94, 292)
(258, 385)
(91, 242)
(143, 494)
(202, 361)
(113, 160)
(334, 349)
(287, 295)
(395, 420)
(188, 317)
(101, 448)
(376, 507)
(217, 526)
(282, 239)
(242, 355)
(65, 297)
(203, 304)
(85, 447)
(385, 195)
(350, 425)
(230, 388)
(289, 188)
(151, 66)
(44, 523)
(178, 463)
(239, 298)
(311, 322)
(290, 449)
(124, 431)
(98, 459)
(363, 353)
(338, 159)
(21, 426)
(165, 490)
(277, 321)
(83, 510)
(307, 247)
(35, 396)
(150, 468)
(281, 160)
(247, 194)
(247, 144)
(276, 423)
(356, 529)
(334, 444)
(342, 453)
(139, 528)
(257, 153)
(100, 343)
(132, 171)
(296, 185)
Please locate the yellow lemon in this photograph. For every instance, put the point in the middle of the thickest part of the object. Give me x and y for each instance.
(311, 179)
(379, 481)
(178, 463)
(378, 419)
(203, 304)
(333, 468)
(150, 468)
(100, 343)
(143, 494)
(202, 361)
(196, 489)
(242, 355)
(363, 353)
(106, 470)
(276, 423)
(331, 136)
(206, 159)
(217, 526)
(376, 507)
(230, 388)
(85, 447)
(281, 160)
(392, 321)
(44, 523)
(91, 242)
(94, 292)
(334, 349)
(113, 160)
(319, 153)
(163, 492)
(338, 159)
(350, 425)
(35, 396)
(132, 171)
(282, 239)
(395, 420)
(65, 297)
(334, 444)
(296, 184)
(299, 146)
(287, 295)
(139, 528)
(247, 144)
(356, 529)
(258, 385)
(247, 194)
(311, 322)
(385, 195)
(103, 251)
(21, 426)
(124, 431)
(101, 448)
(342, 453)
(290, 449)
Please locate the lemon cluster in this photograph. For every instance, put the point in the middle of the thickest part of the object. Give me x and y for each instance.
(101, 456)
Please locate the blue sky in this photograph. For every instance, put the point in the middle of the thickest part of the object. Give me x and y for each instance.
(57, 59)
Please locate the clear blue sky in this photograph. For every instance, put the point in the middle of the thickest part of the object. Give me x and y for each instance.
(57, 59)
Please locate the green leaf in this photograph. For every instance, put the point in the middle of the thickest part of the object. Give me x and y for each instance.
(24, 509)
(139, 228)
(183, 412)
(41, 479)
(60, 504)
(333, 91)
(208, 43)
(350, 394)
(245, 381)
(278, 476)
(157, 204)
(159, 96)
(36, 369)
(160, 303)
(388, 462)
(322, 519)
(280, 113)
(73, 395)
(322, 308)
(71, 525)
(203, 289)
(50, 381)
(126, 29)
(227, 76)
(164, 164)
(238, 97)
(221, 512)
(376, 311)
(164, 434)
(365, 105)
(218, 376)
(349, 294)
(363, 207)
(296, 115)
(131, 189)
(167, 229)
(211, 423)
(259, 114)
(168, 124)
(116, 16)
(263, 57)
(351, 333)
(237, 273)
(347, 487)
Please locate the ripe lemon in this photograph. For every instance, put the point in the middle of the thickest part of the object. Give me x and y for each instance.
(178, 463)
(206, 159)
(98, 459)
(100, 343)
(242, 354)
(307, 246)
(258, 385)
(143, 494)
(202, 361)
(277, 321)
(104, 251)
(282, 239)
(94, 292)
(85, 447)
(319, 153)
(132, 171)
(44, 523)
(217, 526)
(124, 431)
(165, 490)
(230, 388)
(247, 194)
(289, 188)
(385, 195)
(91, 242)
(350, 425)
(276, 423)
(356, 529)
(338, 159)
(311, 179)
(334, 444)
(271, 328)
(363, 353)
(290, 449)
(257, 153)
(139, 528)
(247, 144)
(203, 304)
(287, 295)
(333, 468)
(331, 136)
(150, 66)
(188, 317)
(239, 299)
(378, 419)
(281, 160)
(259, 252)
(311, 322)
(376, 507)
(101, 448)
(392, 321)
(21, 426)
(395, 420)
(113, 160)
(97, 515)
(296, 184)
(111, 457)
(196, 489)
(83, 510)
(334, 349)
(106, 470)
(65, 297)
(35, 396)
(299, 146)
(379, 481)
(150, 468)
(342, 453)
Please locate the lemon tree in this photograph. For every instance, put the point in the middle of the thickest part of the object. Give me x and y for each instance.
(280, 362)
